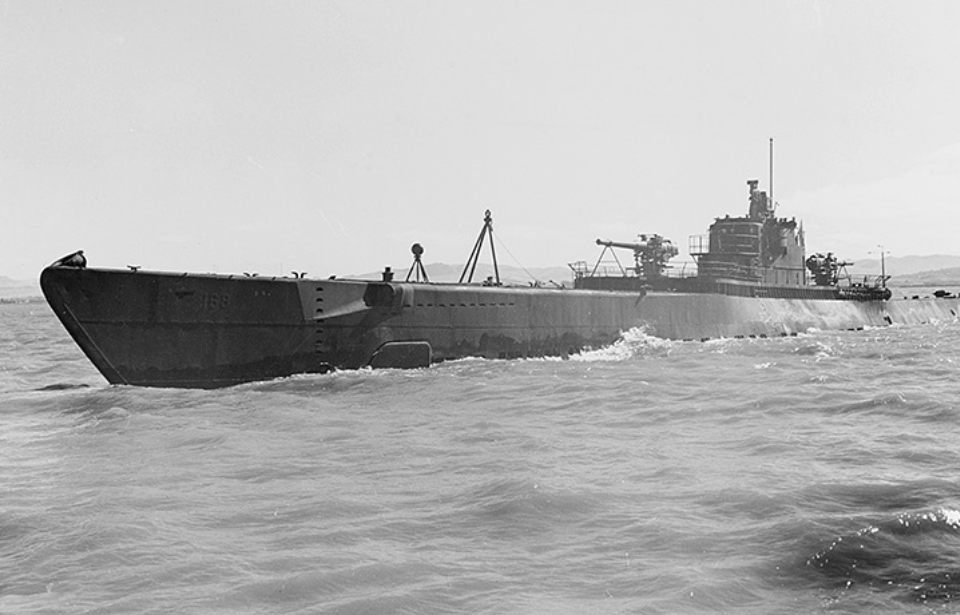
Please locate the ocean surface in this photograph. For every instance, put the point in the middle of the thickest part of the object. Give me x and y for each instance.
(810, 474)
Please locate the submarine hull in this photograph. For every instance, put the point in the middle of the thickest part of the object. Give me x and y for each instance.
(207, 331)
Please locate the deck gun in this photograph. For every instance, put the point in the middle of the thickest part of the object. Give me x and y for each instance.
(650, 253)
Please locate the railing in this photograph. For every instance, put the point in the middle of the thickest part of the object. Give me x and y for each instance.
(699, 244)
(727, 243)
(582, 269)
(686, 269)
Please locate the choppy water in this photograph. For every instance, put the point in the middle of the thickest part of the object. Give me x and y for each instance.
(816, 474)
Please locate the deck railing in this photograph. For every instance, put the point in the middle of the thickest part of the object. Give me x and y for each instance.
(582, 269)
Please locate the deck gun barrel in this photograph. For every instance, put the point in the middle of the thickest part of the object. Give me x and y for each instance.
(636, 247)
(649, 244)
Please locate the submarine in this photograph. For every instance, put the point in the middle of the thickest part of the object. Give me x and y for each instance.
(753, 279)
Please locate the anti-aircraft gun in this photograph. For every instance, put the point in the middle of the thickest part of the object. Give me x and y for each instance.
(650, 254)
(826, 270)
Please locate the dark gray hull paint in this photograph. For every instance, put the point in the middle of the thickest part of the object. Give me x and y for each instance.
(189, 330)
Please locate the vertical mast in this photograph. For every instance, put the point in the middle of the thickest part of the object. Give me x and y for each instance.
(772, 202)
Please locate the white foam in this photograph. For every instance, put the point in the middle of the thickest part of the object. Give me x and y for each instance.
(633, 342)
(950, 516)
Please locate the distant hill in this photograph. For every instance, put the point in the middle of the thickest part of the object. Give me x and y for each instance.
(901, 266)
(18, 289)
(949, 277)
(937, 270)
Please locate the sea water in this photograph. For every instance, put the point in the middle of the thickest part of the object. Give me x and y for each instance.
(809, 474)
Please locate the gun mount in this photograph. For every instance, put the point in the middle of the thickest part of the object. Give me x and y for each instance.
(827, 269)
(650, 254)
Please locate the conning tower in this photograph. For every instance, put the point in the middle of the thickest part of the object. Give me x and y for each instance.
(758, 248)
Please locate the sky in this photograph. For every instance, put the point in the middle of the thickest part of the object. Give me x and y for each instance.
(327, 137)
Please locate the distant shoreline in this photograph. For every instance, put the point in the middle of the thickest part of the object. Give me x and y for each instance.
(30, 299)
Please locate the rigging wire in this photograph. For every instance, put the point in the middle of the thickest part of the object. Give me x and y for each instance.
(516, 260)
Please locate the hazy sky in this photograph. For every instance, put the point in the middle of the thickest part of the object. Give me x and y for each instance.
(239, 136)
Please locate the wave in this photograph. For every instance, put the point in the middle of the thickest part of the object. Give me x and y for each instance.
(632, 343)
(510, 507)
(62, 386)
(916, 556)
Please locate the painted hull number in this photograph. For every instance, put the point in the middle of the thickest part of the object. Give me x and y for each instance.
(214, 301)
